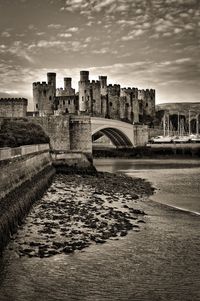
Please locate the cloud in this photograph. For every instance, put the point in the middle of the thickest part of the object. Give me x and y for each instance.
(65, 35)
(104, 51)
(73, 29)
(183, 60)
(55, 26)
(5, 34)
(133, 34)
(47, 44)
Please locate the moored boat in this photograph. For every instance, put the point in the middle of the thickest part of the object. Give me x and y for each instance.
(161, 139)
(181, 139)
(195, 138)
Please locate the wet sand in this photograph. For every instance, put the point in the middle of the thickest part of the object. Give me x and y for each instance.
(77, 211)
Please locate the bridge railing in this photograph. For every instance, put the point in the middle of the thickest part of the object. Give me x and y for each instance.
(7, 153)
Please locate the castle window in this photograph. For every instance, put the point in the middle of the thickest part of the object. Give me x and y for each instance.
(45, 92)
(36, 105)
(147, 104)
(49, 97)
(85, 91)
(110, 104)
(82, 98)
(94, 100)
(63, 102)
(127, 105)
(69, 102)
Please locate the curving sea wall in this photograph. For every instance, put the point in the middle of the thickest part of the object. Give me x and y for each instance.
(26, 172)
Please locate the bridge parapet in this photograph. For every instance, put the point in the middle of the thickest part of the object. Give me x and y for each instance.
(121, 134)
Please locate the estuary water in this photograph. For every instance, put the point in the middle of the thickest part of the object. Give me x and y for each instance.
(177, 181)
(159, 261)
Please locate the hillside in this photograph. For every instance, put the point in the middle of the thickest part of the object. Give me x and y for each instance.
(181, 107)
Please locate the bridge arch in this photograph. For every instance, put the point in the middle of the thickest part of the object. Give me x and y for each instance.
(119, 133)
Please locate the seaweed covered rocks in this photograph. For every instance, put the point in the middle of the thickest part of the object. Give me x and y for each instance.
(77, 211)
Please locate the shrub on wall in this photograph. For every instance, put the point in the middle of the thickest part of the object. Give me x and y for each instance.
(17, 132)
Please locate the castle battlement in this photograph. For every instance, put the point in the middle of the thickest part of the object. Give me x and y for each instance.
(115, 85)
(129, 89)
(23, 101)
(40, 84)
(95, 83)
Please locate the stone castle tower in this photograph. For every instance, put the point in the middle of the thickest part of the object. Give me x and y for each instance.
(44, 94)
(48, 100)
(84, 92)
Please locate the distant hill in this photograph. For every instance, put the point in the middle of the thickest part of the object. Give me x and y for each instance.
(181, 107)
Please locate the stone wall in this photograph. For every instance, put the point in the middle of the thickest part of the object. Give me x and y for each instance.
(65, 104)
(8, 153)
(20, 168)
(113, 101)
(57, 128)
(140, 135)
(13, 107)
(80, 134)
(23, 180)
(67, 132)
(96, 98)
(43, 98)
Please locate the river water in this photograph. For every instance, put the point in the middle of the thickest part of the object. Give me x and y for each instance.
(177, 181)
(159, 262)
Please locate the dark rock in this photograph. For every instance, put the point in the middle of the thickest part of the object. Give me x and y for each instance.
(141, 221)
(123, 233)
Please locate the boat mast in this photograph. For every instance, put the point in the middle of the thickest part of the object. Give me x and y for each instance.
(178, 125)
(189, 124)
(168, 124)
(164, 124)
(197, 124)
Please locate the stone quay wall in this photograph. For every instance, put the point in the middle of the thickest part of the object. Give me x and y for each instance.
(26, 172)
(21, 164)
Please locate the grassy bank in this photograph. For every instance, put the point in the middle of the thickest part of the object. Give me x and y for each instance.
(20, 131)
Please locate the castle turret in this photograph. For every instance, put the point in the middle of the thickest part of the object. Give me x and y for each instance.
(84, 76)
(147, 98)
(43, 98)
(51, 79)
(84, 92)
(103, 85)
(67, 83)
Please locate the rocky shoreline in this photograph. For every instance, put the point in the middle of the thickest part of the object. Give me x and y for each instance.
(79, 210)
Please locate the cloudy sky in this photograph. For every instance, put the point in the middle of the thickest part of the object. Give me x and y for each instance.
(139, 43)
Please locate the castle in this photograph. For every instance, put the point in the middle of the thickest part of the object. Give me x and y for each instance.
(95, 98)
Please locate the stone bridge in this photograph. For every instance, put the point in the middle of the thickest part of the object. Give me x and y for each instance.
(121, 134)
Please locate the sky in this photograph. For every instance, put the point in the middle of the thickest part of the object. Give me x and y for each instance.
(138, 43)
